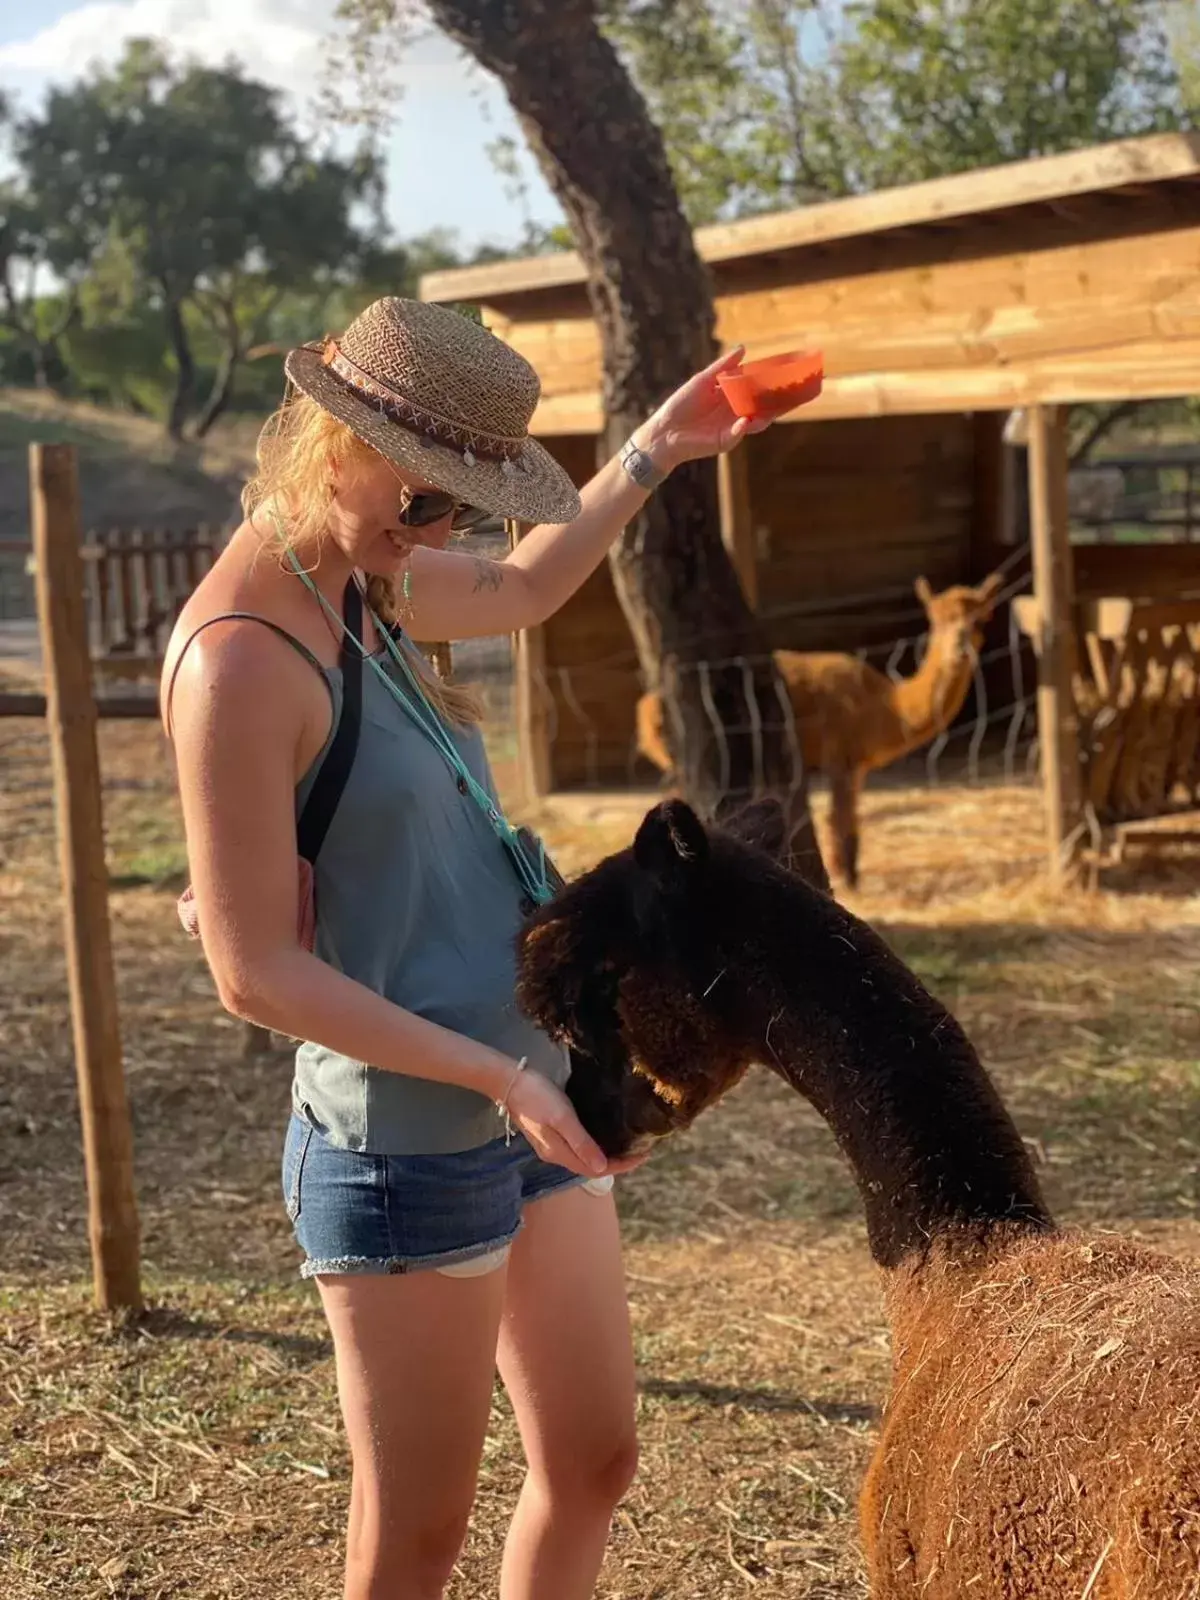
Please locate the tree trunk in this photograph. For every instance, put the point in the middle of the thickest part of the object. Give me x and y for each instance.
(222, 389)
(728, 719)
(185, 366)
(41, 362)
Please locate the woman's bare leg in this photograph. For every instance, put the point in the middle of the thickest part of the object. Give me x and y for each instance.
(566, 1358)
(415, 1367)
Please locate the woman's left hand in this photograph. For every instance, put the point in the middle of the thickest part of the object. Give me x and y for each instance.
(697, 420)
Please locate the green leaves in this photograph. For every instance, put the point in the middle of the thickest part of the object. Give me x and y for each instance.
(771, 103)
(184, 186)
(949, 85)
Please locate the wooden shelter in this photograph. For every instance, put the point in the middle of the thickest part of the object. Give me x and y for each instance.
(940, 308)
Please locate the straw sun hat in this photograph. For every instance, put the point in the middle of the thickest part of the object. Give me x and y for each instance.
(444, 399)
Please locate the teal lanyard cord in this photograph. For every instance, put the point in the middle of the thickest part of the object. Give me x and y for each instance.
(534, 878)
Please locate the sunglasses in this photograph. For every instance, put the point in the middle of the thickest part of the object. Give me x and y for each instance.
(421, 509)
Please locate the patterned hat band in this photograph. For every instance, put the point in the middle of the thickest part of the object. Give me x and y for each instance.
(398, 408)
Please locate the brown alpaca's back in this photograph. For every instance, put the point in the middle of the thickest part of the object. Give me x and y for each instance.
(846, 712)
(849, 716)
(841, 706)
(1042, 1438)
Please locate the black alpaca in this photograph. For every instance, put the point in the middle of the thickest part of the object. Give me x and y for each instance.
(1041, 1440)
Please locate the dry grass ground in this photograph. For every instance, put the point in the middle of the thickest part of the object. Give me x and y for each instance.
(198, 1452)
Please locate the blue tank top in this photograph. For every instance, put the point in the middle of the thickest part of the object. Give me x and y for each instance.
(417, 899)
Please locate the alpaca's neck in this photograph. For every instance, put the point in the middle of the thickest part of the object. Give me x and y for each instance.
(928, 702)
(841, 1018)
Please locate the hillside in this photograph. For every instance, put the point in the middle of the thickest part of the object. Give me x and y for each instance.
(130, 476)
(130, 473)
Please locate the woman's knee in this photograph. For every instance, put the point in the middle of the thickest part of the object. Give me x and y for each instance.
(392, 1544)
(597, 1474)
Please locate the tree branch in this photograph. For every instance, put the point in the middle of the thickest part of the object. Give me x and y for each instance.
(1100, 428)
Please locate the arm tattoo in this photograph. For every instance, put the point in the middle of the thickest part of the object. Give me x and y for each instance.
(488, 575)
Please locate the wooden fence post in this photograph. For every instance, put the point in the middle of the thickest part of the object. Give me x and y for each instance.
(1054, 593)
(71, 722)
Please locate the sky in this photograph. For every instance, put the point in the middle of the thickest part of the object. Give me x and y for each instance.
(447, 109)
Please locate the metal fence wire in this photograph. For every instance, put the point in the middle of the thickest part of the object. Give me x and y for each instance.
(991, 736)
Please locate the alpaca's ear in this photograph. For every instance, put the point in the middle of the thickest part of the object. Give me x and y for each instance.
(922, 591)
(762, 824)
(670, 840)
(989, 589)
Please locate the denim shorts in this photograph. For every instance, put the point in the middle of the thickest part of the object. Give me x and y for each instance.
(353, 1212)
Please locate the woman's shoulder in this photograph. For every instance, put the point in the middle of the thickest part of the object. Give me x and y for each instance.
(244, 623)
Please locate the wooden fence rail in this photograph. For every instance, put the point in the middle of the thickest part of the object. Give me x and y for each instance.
(136, 582)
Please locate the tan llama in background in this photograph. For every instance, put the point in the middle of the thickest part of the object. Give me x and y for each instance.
(852, 719)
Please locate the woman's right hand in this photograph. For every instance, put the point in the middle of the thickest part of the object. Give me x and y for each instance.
(547, 1119)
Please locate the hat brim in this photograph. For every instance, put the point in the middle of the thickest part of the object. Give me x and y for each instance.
(532, 488)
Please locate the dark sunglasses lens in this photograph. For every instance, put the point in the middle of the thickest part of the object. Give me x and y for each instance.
(425, 509)
(467, 517)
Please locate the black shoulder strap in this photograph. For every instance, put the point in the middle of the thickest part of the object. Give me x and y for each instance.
(334, 771)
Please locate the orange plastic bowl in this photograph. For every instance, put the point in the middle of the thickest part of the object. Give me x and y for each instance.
(775, 386)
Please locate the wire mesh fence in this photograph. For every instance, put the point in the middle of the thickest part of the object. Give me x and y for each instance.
(931, 706)
(973, 721)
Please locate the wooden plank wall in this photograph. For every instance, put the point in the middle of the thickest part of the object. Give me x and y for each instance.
(589, 671)
(1101, 302)
(851, 509)
(841, 509)
(1139, 571)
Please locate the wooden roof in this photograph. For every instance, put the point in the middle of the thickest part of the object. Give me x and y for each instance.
(1130, 167)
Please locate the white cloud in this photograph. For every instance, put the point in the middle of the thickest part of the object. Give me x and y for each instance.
(280, 41)
(447, 110)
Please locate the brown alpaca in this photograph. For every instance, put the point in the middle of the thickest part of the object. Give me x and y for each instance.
(852, 719)
(1041, 1439)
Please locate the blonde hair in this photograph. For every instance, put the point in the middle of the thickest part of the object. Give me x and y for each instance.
(298, 448)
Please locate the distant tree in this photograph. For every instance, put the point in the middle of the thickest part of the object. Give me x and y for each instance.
(327, 306)
(194, 179)
(30, 245)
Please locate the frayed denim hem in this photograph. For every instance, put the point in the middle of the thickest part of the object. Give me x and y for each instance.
(389, 1266)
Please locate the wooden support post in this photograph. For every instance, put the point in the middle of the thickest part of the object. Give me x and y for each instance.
(737, 519)
(71, 716)
(533, 712)
(1053, 587)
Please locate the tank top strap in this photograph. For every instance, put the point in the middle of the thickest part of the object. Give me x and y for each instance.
(237, 616)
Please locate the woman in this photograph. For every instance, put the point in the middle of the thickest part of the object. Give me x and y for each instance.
(449, 1204)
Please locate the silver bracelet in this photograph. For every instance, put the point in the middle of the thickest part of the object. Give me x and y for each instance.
(640, 467)
(502, 1103)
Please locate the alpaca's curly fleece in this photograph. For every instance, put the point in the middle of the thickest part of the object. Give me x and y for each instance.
(1042, 1437)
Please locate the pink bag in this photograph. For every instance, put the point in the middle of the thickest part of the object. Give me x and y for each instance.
(306, 923)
